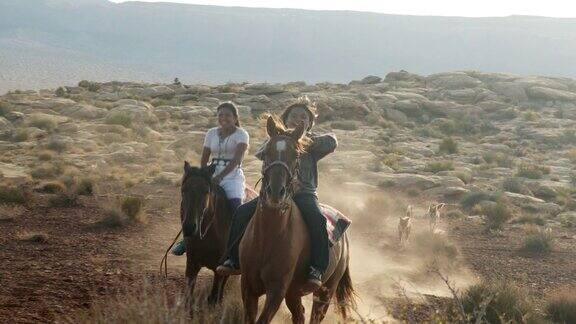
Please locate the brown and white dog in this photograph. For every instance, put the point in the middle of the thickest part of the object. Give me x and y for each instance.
(434, 214)
(404, 226)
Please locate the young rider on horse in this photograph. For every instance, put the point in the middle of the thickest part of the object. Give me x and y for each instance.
(301, 113)
(226, 145)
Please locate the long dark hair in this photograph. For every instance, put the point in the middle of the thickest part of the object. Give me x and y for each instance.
(232, 107)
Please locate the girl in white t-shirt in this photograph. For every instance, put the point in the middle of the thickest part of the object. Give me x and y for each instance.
(225, 146)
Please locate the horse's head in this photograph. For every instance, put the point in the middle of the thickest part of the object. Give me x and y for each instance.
(281, 156)
(196, 189)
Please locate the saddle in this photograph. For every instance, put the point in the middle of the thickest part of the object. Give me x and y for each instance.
(336, 222)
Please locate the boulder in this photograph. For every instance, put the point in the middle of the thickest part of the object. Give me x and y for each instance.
(542, 93)
(83, 111)
(452, 80)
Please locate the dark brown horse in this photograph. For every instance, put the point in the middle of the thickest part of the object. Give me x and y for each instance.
(205, 214)
(275, 250)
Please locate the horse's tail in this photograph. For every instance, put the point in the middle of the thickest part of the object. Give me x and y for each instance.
(345, 294)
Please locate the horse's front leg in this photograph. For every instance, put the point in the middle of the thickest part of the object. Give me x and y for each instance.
(217, 292)
(250, 301)
(274, 298)
(192, 269)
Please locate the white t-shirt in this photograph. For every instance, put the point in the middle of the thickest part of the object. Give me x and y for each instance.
(225, 148)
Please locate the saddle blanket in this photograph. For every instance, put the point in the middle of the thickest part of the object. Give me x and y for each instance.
(336, 222)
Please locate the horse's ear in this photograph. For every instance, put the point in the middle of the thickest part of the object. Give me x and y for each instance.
(271, 127)
(187, 167)
(440, 206)
(298, 133)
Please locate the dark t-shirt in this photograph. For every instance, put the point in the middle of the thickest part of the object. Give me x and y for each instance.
(321, 146)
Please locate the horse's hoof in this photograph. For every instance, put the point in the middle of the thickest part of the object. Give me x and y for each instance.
(227, 271)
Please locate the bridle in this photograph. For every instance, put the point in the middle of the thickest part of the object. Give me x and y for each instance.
(210, 206)
(292, 175)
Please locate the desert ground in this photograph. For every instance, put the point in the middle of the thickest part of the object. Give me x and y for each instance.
(89, 195)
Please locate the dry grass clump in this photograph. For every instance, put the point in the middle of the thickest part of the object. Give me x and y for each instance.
(532, 171)
(45, 156)
(85, 187)
(448, 146)
(12, 195)
(114, 218)
(158, 303)
(437, 166)
(538, 241)
(496, 215)
(133, 208)
(561, 306)
(42, 121)
(51, 187)
(497, 302)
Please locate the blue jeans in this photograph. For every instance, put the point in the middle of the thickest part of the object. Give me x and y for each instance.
(315, 221)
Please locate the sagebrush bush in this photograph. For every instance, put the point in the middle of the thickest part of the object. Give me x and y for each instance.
(516, 185)
(448, 146)
(496, 215)
(437, 166)
(21, 135)
(500, 159)
(119, 118)
(85, 187)
(45, 156)
(61, 92)
(538, 241)
(133, 208)
(497, 302)
(561, 306)
(12, 195)
(532, 171)
(474, 197)
(56, 145)
(46, 123)
(52, 187)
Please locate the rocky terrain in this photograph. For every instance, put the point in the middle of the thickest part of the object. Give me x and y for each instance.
(498, 149)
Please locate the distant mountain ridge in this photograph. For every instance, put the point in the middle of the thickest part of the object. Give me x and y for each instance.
(45, 43)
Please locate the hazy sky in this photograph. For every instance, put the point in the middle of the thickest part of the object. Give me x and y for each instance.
(550, 8)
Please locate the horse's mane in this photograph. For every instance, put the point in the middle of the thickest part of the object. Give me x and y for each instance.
(302, 144)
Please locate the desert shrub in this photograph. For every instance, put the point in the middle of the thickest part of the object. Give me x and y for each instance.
(568, 220)
(530, 115)
(5, 108)
(21, 135)
(47, 171)
(392, 160)
(133, 208)
(496, 215)
(561, 306)
(466, 177)
(449, 146)
(568, 136)
(88, 85)
(500, 159)
(538, 241)
(61, 92)
(64, 199)
(46, 123)
(497, 302)
(52, 187)
(437, 166)
(56, 145)
(474, 197)
(119, 118)
(345, 125)
(12, 195)
(427, 131)
(113, 218)
(85, 187)
(530, 219)
(446, 126)
(45, 156)
(163, 304)
(516, 185)
(532, 171)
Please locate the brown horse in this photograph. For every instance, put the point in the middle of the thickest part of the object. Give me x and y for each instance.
(205, 214)
(274, 252)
